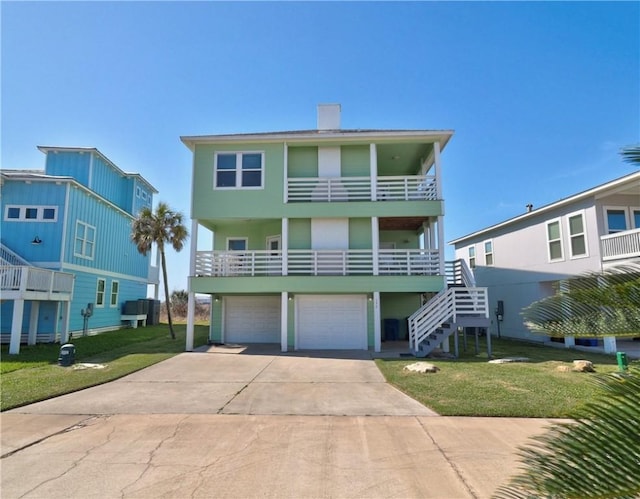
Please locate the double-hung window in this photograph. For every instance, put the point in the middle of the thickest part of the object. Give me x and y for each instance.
(554, 241)
(577, 235)
(115, 287)
(488, 252)
(100, 293)
(85, 240)
(239, 170)
(472, 257)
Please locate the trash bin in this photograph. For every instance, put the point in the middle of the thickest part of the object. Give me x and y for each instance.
(391, 328)
(67, 354)
(623, 364)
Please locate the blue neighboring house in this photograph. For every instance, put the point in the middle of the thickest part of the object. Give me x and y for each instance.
(66, 247)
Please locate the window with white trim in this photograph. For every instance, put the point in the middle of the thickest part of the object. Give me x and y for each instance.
(577, 235)
(621, 218)
(488, 252)
(100, 292)
(115, 288)
(472, 257)
(616, 218)
(554, 241)
(85, 240)
(238, 170)
(27, 213)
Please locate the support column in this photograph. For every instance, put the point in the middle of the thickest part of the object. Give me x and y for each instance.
(33, 323)
(441, 244)
(191, 304)
(609, 344)
(16, 327)
(373, 166)
(377, 333)
(436, 162)
(375, 244)
(66, 317)
(284, 321)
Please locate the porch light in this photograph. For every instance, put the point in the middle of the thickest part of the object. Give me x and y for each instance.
(36, 240)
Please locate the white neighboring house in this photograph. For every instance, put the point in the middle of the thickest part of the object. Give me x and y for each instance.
(521, 259)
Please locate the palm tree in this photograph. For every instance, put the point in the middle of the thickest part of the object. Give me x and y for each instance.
(164, 226)
(631, 154)
(593, 304)
(597, 455)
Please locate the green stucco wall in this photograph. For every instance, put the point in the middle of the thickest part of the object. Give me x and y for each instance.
(302, 162)
(354, 161)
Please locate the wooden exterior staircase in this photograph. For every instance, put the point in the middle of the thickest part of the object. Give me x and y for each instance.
(461, 304)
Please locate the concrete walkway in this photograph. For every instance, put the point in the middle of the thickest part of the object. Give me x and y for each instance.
(225, 422)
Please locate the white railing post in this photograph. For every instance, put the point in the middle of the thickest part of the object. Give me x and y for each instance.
(285, 246)
(375, 244)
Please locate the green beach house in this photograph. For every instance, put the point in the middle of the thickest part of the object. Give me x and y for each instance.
(325, 238)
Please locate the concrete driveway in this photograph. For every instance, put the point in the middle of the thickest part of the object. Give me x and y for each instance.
(225, 422)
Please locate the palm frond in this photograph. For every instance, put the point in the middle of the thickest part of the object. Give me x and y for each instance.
(593, 304)
(631, 154)
(595, 456)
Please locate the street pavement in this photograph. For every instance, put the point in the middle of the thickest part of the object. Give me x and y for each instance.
(245, 423)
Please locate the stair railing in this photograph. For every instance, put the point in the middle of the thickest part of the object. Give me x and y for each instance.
(428, 318)
(8, 257)
(458, 273)
(445, 307)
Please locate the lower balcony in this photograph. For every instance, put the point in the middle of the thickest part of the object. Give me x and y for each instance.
(621, 245)
(393, 262)
(34, 283)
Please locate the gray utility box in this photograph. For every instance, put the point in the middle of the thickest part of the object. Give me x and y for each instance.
(67, 355)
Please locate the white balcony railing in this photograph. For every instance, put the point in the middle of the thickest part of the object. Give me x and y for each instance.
(621, 245)
(332, 189)
(316, 263)
(34, 279)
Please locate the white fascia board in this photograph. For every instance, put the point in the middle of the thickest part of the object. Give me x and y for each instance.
(595, 192)
(319, 137)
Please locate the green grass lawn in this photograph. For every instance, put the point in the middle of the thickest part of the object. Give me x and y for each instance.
(35, 375)
(470, 386)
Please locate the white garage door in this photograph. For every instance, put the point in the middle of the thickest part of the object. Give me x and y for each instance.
(329, 322)
(252, 319)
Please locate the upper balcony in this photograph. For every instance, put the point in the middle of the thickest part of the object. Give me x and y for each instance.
(341, 189)
(622, 245)
(347, 262)
(33, 283)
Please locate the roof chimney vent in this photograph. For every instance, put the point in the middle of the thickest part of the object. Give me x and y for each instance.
(328, 116)
(529, 208)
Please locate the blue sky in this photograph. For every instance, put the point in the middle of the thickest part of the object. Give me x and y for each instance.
(541, 95)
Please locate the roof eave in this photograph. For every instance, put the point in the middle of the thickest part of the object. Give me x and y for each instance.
(441, 136)
(594, 191)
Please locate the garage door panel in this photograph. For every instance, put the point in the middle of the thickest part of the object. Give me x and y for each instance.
(331, 322)
(252, 319)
